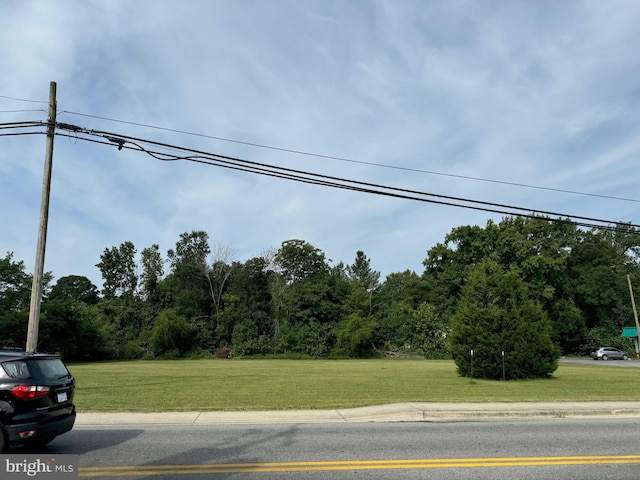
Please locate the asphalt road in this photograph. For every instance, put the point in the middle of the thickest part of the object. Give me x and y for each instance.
(584, 449)
(631, 363)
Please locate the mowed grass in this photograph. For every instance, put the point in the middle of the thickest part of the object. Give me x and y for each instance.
(226, 385)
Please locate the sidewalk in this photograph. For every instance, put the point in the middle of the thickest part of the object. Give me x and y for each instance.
(397, 412)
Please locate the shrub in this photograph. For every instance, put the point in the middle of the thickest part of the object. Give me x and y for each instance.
(354, 337)
(171, 334)
(495, 314)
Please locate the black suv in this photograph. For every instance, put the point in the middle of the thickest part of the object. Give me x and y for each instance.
(36, 398)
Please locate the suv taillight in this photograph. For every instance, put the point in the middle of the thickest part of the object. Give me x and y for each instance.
(26, 392)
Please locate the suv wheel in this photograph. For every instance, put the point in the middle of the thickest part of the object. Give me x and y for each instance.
(605, 357)
(625, 357)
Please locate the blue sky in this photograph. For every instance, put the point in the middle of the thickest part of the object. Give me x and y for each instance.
(544, 93)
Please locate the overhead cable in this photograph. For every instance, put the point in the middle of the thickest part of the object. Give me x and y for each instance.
(343, 159)
(22, 99)
(20, 126)
(130, 142)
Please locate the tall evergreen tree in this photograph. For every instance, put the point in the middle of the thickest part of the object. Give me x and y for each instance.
(496, 314)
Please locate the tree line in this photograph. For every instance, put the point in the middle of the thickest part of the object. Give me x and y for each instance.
(527, 279)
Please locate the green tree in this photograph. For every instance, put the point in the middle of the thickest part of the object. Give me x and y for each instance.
(396, 302)
(218, 273)
(310, 311)
(298, 260)
(187, 286)
(13, 329)
(70, 327)
(245, 339)
(69, 323)
(15, 296)
(597, 278)
(364, 276)
(448, 264)
(124, 320)
(626, 238)
(191, 251)
(496, 314)
(15, 285)
(540, 250)
(118, 268)
(199, 272)
(152, 271)
(308, 299)
(429, 332)
(393, 331)
(75, 287)
(171, 334)
(606, 335)
(247, 301)
(354, 337)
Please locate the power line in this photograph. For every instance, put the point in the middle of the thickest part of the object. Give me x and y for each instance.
(20, 134)
(22, 99)
(20, 125)
(125, 141)
(22, 111)
(287, 176)
(360, 162)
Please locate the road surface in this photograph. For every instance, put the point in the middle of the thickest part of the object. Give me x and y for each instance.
(584, 449)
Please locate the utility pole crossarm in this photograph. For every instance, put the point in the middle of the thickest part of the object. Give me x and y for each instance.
(36, 286)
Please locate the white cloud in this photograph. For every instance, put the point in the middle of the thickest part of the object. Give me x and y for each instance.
(534, 93)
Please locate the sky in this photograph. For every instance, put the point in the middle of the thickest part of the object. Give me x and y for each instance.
(530, 104)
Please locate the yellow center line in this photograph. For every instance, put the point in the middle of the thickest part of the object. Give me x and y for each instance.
(110, 471)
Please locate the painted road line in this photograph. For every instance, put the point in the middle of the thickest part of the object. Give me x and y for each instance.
(113, 471)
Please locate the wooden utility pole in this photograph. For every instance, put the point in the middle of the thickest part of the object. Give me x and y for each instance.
(635, 313)
(36, 286)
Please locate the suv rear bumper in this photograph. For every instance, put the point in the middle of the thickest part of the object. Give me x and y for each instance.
(44, 431)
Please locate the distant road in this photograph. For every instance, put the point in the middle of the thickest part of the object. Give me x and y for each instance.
(609, 363)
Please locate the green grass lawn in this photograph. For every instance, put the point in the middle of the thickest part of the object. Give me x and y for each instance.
(207, 385)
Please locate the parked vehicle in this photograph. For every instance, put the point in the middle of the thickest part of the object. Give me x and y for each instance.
(608, 353)
(36, 398)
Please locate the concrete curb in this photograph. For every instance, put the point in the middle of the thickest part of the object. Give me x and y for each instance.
(397, 412)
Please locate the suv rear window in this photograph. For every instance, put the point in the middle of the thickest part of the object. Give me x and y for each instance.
(17, 369)
(41, 369)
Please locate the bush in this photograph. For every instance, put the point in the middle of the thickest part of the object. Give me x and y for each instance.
(245, 339)
(430, 333)
(495, 315)
(171, 334)
(132, 350)
(354, 337)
